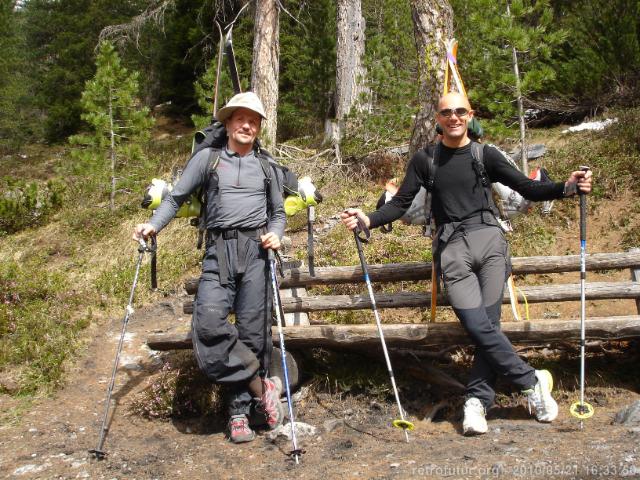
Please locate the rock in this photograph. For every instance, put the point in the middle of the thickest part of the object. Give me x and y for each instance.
(302, 430)
(629, 415)
(332, 424)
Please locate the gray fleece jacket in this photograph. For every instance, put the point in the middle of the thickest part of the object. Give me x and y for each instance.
(241, 200)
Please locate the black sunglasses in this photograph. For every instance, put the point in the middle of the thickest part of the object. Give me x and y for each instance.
(448, 112)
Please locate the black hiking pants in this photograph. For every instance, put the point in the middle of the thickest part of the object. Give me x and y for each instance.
(232, 354)
(475, 265)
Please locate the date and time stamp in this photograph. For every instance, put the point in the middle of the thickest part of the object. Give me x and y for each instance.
(531, 470)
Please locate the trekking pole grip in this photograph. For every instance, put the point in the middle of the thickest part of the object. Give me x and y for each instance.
(583, 210)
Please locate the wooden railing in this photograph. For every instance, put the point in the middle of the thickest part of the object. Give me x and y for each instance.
(615, 327)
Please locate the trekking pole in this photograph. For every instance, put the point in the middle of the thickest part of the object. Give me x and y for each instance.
(98, 452)
(296, 452)
(399, 422)
(311, 217)
(582, 409)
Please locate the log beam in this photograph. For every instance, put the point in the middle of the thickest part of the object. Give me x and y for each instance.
(413, 271)
(430, 334)
(534, 294)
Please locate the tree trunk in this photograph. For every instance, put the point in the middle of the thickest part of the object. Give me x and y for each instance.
(266, 65)
(432, 26)
(516, 72)
(351, 90)
(112, 151)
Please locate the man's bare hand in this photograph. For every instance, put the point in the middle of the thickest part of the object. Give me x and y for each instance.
(143, 231)
(270, 241)
(350, 218)
(583, 180)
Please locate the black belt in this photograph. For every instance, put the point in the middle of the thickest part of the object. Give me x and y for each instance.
(445, 231)
(219, 236)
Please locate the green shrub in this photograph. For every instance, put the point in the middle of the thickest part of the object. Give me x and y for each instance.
(25, 204)
(37, 329)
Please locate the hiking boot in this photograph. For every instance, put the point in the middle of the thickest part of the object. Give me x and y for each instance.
(269, 403)
(474, 422)
(539, 398)
(239, 430)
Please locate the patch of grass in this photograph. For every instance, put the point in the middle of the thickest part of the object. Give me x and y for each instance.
(39, 325)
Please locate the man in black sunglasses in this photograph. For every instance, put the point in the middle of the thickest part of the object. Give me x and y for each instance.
(472, 253)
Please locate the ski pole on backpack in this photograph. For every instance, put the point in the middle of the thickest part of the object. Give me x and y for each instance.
(296, 452)
(582, 409)
(399, 422)
(98, 452)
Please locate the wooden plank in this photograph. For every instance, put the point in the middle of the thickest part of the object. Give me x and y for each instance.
(534, 294)
(430, 334)
(635, 277)
(413, 271)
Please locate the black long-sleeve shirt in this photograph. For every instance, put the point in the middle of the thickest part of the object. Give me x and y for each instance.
(458, 193)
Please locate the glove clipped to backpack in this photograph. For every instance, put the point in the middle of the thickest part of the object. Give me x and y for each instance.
(306, 196)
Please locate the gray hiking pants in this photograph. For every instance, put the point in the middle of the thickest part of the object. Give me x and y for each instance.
(233, 354)
(475, 265)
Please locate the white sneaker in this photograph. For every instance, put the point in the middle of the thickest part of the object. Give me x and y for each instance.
(474, 422)
(539, 397)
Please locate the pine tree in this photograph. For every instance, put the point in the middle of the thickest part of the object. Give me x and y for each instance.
(18, 120)
(61, 39)
(120, 126)
(488, 33)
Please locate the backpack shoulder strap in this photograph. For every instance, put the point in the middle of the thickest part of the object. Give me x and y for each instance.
(477, 152)
(432, 153)
(213, 161)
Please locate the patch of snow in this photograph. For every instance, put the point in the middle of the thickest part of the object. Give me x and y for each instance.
(591, 125)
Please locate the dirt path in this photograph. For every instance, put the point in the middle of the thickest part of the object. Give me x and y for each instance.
(353, 438)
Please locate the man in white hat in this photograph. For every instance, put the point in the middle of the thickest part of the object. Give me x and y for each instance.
(244, 217)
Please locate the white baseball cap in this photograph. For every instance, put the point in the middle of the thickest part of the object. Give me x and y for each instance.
(247, 100)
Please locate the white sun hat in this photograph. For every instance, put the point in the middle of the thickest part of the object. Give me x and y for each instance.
(247, 100)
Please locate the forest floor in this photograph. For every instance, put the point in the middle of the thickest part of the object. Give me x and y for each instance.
(352, 439)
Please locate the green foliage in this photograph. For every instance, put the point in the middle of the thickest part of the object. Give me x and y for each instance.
(205, 92)
(487, 35)
(601, 55)
(27, 204)
(307, 68)
(61, 38)
(392, 70)
(18, 119)
(120, 125)
(38, 330)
